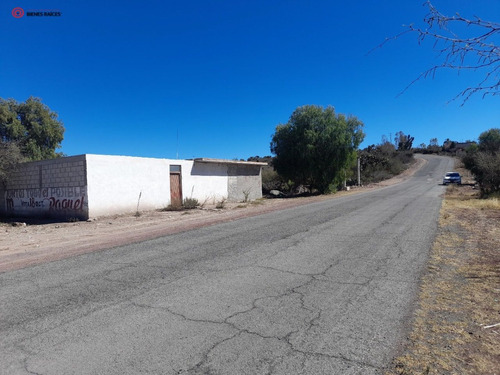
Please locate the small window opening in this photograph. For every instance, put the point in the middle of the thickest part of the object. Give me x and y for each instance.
(175, 169)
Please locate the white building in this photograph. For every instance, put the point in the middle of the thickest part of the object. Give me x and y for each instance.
(89, 185)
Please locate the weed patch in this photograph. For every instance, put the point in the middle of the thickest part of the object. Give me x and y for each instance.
(221, 204)
(190, 203)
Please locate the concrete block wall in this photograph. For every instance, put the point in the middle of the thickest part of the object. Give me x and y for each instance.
(225, 179)
(244, 179)
(26, 177)
(54, 188)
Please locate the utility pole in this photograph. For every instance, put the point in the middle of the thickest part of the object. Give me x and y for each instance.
(359, 171)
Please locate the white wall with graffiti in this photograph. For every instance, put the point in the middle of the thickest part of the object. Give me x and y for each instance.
(52, 188)
(87, 186)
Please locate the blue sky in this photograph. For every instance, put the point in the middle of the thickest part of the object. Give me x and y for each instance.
(213, 78)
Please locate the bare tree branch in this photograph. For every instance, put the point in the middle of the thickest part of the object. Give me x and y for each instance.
(477, 51)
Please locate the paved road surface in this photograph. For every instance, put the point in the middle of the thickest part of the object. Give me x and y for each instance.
(325, 288)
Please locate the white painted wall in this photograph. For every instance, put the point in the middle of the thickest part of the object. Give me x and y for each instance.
(102, 185)
(203, 181)
(115, 182)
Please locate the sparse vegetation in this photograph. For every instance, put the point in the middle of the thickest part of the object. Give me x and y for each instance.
(258, 201)
(483, 160)
(455, 327)
(190, 203)
(246, 195)
(271, 180)
(403, 141)
(380, 162)
(137, 213)
(187, 204)
(204, 203)
(221, 204)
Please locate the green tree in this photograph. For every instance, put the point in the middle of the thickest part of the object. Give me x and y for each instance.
(32, 126)
(483, 160)
(10, 157)
(316, 146)
(489, 141)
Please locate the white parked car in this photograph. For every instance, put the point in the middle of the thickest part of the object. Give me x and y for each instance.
(452, 178)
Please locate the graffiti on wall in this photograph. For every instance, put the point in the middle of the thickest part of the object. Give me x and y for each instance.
(51, 200)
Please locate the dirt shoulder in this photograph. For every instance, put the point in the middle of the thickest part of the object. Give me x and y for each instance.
(25, 245)
(456, 328)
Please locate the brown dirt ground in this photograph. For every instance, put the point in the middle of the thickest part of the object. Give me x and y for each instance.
(22, 246)
(456, 327)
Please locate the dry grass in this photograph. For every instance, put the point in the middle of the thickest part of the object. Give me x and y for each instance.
(459, 299)
(258, 201)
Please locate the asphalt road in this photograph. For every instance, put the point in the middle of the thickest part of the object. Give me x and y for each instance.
(326, 288)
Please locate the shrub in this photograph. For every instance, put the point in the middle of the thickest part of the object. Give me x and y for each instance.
(486, 169)
(190, 203)
(221, 204)
(483, 160)
(380, 162)
(270, 179)
(246, 194)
